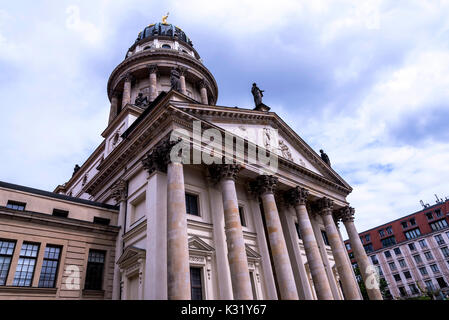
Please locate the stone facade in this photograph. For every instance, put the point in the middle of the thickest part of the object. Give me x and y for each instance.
(196, 230)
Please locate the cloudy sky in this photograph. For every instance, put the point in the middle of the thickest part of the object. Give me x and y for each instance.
(368, 81)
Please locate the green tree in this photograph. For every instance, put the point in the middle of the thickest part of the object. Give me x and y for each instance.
(383, 286)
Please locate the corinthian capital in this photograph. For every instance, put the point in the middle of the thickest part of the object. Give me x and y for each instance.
(325, 205)
(128, 77)
(119, 191)
(158, 157)
(296, 196)
(263, 184)
(224, 171)
(346, 214)
(202, 83)
(152, 68)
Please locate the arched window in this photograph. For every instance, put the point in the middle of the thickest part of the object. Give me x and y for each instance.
(166, 46)
(147, 48)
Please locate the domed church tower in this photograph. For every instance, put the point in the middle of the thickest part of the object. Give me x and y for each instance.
(160, 53)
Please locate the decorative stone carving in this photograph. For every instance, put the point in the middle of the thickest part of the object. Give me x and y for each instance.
(224, 171)
(325, 158)
(325, 205)
(346, 214)
(202, 83)
(159, 157)
(119, 191)
(152, 68)
(267, 138)
(129, 77)
(296, 196)
(285, 150)
(263, 184)
(84, 180)
(182, 71)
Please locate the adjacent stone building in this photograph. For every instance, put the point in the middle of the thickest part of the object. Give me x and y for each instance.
(154, 227)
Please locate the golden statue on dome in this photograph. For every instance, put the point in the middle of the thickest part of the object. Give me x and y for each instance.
(164, 18)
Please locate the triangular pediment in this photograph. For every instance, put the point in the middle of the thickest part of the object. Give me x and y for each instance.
(196, 244)
(251, 254)
(130, 254)
(266, 129)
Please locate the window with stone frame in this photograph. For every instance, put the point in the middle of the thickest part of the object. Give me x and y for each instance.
(411, 246)
(6, 253)
(50, 266)
(438, 225)
(392, 266)
(428, 255)
(387, 254)
(242, 216)
(407, 275)
(402, 291)
(417, 258)
(423, 243)
(196, 283)
(192, 204)
(442, 283)
(413, 288)
(434, 268)
(402, 263)
(439, 239)
(95, 270)
(423, 271)
(397, 277)
(26, 265)
(445, 252)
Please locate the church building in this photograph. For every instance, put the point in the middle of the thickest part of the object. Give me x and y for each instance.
(184, 199)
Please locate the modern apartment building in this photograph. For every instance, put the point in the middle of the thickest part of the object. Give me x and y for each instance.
(411, 252)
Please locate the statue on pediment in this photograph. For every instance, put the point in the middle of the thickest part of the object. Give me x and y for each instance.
(325, 158)
(257, 94)
(285, 150)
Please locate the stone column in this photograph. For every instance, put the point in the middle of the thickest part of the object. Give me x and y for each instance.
(265, 186)
(127, 90)
(182, 79)
(338, 250)
(114, 106)
(119, 193)
(297, 197)
(367, 270)
(153, 81)
(203, 92)
(238, 261)
(178, 268)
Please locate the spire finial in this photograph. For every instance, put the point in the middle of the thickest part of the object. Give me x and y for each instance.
(164, 18)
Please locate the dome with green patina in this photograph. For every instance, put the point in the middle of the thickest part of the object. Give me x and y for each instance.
(164, 29)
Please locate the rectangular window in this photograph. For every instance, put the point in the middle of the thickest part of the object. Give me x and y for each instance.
(50, 267)
(407, 275)
(325, 239)
(26, 265)
(298, 232)
(417, 258)
(382, 233)
(402, 263)
(428, 255)
(15, 205)
(389, 230)
(192, 204)
(94, 271)
(423, 271)
(404, 224)
(368, 238)
(387, 242)
(423, 243)
(412, 246)
(439, 239)
(445, 252)
(6, 253)
(412, 221)
(411, 234)
(434, 268)
(379, 269)
(374, 259)
(242, 216)
(368, 248)
(253, 285)
(397, 251)
(387, 254)
(429, 285)
(438, 225)
(413, 288)
(60, 213)
(392, 266)
(429, 215)
(397, 277)
(441, 282)
(438, 212)
(102, 221)
(196, 283)
(402, 291)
